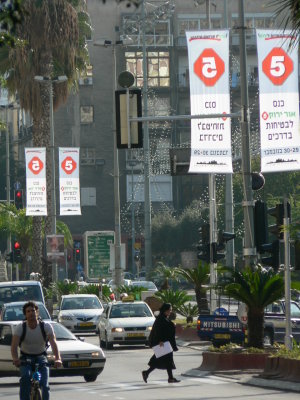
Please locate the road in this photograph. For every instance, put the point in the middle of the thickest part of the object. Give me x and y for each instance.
(122, 380)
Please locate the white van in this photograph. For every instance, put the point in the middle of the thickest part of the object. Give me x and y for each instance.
(20, 291)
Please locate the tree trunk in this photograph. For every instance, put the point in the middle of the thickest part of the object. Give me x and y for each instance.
(255, 327)
(201, 300)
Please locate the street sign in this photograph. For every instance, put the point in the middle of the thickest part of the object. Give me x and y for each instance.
(97, 253)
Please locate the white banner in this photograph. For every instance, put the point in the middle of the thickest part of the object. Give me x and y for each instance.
(36, 193)
(278, 100)
(208, 53)
(69, 188)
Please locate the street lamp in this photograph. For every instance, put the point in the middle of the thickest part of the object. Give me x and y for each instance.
(49, 81)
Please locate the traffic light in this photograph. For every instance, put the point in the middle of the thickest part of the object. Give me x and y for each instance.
(260, 224)
(204, 243)
(78, 254)
(274, 259)
(17, 253)
(10, 257)
(136, 256)
(19, 199)
(223, 238)
(278, 213)
(297, 254)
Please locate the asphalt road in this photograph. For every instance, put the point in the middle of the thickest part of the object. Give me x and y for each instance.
(122, 380)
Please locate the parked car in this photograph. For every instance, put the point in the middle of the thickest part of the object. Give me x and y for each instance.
(150, 286)
(14, 311)
(80, 312)
(78, 358)
(125, 322)
(124, 282)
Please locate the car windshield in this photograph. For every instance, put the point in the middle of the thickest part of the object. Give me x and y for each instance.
(81, 303)
(295, 311)
(15, 312)
(147, 285)
(62, 333)
(130, 311)
(8, 294)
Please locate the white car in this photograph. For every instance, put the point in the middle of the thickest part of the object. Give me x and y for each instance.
(80, 312)
(150, 286)
(125, 322)
(124, 282)
(14, 311)
(78, 358)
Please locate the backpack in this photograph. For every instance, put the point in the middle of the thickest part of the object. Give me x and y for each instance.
(42, 326)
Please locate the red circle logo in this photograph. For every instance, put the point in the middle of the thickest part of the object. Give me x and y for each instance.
(277, 66)
(35, 165)
(69, 165)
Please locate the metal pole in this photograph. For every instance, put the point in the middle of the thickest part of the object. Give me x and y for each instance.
(52, 152)
(7, 172)
(132, 222)
(117, 245)
(248, 204)
(147, 199)
(287, 279)
(213, 238)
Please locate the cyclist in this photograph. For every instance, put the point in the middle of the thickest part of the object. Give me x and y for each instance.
(33, 346)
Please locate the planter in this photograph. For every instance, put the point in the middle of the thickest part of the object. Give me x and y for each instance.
(214, 361)
(282, 368)
(188, 333)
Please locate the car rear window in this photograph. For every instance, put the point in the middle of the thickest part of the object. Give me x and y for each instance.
(9, 294)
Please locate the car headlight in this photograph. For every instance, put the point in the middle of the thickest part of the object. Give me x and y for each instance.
(65, 318)
(117, 330)
(149, 328)
(95, 354)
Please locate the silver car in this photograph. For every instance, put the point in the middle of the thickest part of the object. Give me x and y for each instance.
(80, 312)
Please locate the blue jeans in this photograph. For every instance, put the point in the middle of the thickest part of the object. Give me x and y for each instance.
(26, 372)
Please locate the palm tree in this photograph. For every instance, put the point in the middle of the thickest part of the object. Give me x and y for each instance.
(198, 277)
(256, 288)
(49, 44)
(166, 273)
(289, 10)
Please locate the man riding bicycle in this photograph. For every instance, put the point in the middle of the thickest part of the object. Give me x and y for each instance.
(33, 347)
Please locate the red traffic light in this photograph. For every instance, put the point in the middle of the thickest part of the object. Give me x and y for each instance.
(77, 251)
(19, 194)
(17, 245)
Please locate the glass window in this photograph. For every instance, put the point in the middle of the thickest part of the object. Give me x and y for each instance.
(158, 67)
(86, 114)
(295, 311)
(87, 155)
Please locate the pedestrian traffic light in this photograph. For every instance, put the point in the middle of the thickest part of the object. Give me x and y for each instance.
(19, 199)
(136, 257)
(274, 259)
(204, 243)
(78, 254)
(297, 254)
(17, 253)
(260, 224)
(223, 238)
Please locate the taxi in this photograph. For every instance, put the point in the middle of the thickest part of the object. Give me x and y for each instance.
(125, 322)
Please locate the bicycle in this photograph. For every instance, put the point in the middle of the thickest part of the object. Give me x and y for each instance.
(35, 391)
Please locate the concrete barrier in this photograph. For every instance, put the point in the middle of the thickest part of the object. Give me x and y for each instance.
(214, 361)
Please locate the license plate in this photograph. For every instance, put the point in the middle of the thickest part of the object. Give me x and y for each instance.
(78, 364)
(85, 324)
(135, 335)
(222, 336)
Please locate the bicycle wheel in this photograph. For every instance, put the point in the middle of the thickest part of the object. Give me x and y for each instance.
(36, 394)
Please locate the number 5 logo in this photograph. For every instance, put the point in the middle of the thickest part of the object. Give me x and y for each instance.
(69, 165)
(209, 67)
(35, 165)
(277, 66)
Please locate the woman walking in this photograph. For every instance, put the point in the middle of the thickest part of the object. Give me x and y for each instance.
(163, 330)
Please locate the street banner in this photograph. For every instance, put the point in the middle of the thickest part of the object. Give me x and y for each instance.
(208, 53)
(69, 187)
(278, 100)
(36, 193)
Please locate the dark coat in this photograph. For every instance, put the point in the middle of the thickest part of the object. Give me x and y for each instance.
(163, 330)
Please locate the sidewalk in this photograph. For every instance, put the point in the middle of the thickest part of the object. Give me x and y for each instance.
(247, 377)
